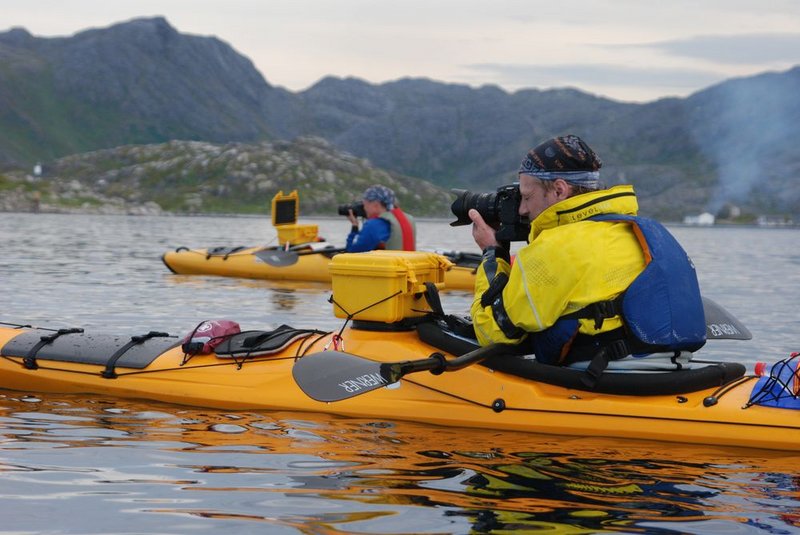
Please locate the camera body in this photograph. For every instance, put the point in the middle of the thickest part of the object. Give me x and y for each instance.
(500, 209)
(357, 207)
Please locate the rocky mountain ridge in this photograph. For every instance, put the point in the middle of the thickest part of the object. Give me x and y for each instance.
(142, 82)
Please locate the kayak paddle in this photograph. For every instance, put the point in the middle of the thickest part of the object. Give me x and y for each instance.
(283, 258)
(721, 324)
(277, 257)
(335, 375)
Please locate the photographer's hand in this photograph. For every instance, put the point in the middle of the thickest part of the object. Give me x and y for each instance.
(482, 233)
(352, 217)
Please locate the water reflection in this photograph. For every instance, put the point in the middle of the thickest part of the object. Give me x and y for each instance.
(285, 300)
(176, 468)
(74, 465)
(284, 296)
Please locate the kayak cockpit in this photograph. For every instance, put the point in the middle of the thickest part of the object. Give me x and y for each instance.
(628, 382)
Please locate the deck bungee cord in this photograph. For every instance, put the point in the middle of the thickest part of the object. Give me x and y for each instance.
(94, 349)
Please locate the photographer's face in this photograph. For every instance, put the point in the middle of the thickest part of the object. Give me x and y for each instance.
(536, 198)
(373, 208)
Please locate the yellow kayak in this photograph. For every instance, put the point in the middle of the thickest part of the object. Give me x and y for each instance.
(304, 262)
(300, 256)
(264, 370)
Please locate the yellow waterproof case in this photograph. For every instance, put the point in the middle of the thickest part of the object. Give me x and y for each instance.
(384, 286)
(285, 209)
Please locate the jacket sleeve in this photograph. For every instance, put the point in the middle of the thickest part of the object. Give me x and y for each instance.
(491, 323)
(373, 232)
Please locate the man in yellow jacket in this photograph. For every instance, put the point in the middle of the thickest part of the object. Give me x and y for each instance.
(548, 300)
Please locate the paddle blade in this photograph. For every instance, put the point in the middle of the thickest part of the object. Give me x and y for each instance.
(334, 375)
(721, 324)
(277, 257)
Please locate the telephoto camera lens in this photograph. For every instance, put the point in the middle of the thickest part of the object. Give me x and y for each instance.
(357, 208)
(484, 203)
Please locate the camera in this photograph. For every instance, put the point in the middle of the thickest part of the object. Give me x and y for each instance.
(357, 208)
(500, 209)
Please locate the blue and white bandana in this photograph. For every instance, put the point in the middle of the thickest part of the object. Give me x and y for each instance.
(380, 193)
(568, 158)
(586, 179)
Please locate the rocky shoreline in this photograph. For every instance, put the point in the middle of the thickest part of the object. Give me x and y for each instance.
(191, 177)
(75, 198)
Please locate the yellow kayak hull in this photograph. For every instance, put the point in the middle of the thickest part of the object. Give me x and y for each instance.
(463, 398)
(244, 263)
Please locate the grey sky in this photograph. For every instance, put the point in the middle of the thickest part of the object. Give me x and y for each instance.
(630, 50)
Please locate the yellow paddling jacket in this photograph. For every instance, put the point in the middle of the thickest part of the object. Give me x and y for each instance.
(568, 264)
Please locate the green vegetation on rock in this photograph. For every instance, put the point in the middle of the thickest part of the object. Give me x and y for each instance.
(235, 178)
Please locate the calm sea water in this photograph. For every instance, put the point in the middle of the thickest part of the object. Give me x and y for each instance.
(77, 464)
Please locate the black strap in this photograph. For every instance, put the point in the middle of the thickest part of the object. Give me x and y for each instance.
(458, 324)
(494, 290)
(612, 350)
(109, 372)
(433, 299)
(493, 296)
(489, 260)
(600, 311)
(30, 359)
(510, 330)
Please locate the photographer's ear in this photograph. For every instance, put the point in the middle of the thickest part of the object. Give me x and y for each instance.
(562, 189)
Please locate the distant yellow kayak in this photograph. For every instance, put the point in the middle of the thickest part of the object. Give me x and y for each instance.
(306, 262)
(300, 256)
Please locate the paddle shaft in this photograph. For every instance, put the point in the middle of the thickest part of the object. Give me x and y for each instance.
(437, 363)
(320, 251)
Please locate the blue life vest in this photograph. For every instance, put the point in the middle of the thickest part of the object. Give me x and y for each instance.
(662, 309)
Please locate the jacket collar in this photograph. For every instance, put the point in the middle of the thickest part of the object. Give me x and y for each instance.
(615, 200)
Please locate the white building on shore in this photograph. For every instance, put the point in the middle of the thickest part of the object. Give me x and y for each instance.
(703, 219)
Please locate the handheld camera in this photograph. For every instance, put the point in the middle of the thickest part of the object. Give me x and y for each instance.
(500, 209)
(357, 208)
